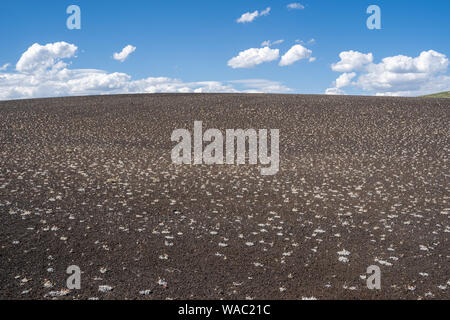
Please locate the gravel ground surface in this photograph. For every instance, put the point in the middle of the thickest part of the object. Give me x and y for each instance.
(89, 181)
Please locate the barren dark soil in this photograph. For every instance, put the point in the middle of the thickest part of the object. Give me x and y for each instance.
(89, 181)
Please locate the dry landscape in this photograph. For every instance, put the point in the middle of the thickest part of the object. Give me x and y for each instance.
(89, 181)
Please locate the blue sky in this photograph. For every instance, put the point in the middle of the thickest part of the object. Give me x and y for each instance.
(193, 41)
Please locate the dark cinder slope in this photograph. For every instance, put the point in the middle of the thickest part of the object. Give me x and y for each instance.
(88, 181)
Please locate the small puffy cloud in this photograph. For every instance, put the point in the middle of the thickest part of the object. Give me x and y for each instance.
(334, 91)
(265, 12)
(250, 16)
(269, 43)
(40, 58)
(4, 67)
(352, 60)
(297, 52)
(295, 6)
(394, 76)
(41, 72)
(253, 56)
(123, 55)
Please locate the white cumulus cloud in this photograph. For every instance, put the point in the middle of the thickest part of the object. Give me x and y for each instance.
(394, 76)
(296, 53)
(344, 80)
(334, 91)
(123, 55)
(427, 62)
(352, 60)
(40, 58)
(41, 72)
(250, 16)
(253, 56)
(295, 6)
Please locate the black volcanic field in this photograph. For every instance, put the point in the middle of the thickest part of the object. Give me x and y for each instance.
(89, 181)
